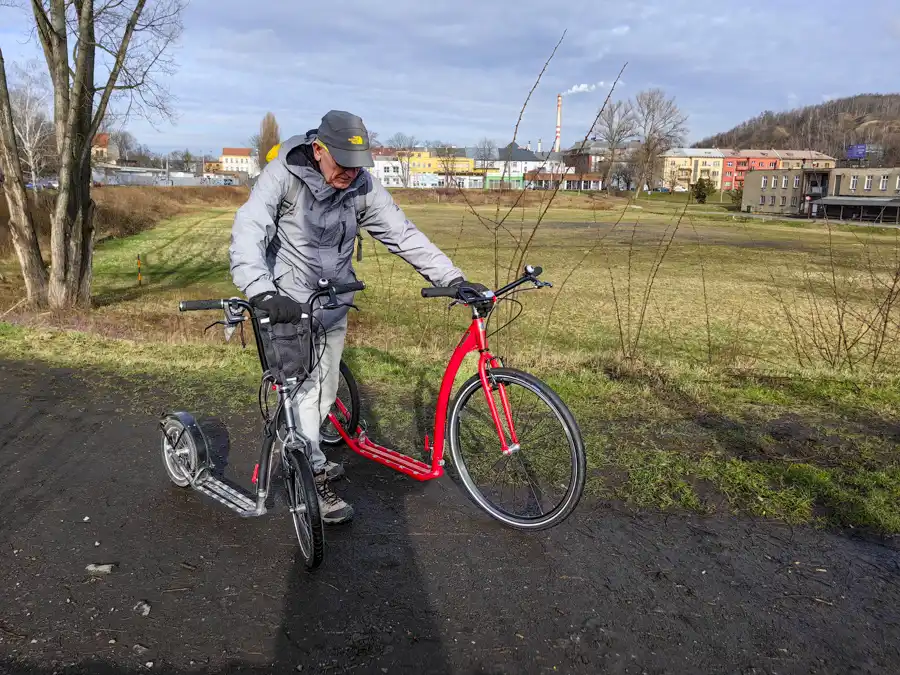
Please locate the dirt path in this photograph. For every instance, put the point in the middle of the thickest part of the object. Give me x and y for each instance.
(420, 582)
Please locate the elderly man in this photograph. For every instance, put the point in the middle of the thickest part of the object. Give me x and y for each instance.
(299, 226)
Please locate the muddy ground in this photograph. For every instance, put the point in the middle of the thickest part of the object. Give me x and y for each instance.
(420, 582)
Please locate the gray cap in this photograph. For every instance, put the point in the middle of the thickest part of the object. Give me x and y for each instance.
(346, 138)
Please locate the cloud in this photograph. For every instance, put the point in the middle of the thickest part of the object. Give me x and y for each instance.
(461, 71)
(583, 88)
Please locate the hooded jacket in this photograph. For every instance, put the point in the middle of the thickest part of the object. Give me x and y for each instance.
(314, 239)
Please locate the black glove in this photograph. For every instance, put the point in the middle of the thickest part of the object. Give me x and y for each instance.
(280, 308)
(460, 282)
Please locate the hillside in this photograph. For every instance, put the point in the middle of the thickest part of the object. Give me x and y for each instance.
(828, 127)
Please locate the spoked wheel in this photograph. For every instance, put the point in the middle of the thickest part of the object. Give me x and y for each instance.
(345, 408)
(538, 484)
(180, 453)
(304, 505)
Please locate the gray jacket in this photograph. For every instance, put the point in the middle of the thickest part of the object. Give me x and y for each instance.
(314, 239)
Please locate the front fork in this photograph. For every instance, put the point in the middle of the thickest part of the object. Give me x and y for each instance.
(488, 385)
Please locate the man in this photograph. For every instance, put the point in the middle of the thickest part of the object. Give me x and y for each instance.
(299, 226)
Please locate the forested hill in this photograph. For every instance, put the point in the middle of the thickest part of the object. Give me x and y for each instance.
(828, 127)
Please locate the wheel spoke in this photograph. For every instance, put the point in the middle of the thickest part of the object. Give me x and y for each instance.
(534, 484)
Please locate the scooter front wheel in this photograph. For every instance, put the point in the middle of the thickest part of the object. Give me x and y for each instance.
(303, 503)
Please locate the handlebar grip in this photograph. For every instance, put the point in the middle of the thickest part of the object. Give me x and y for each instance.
(352, 287)
(442, 292)
(194, 305)
(533, 270)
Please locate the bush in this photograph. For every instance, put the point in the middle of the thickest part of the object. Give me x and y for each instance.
(123, 211)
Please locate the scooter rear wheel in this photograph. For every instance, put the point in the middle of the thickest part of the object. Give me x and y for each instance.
(303, 502)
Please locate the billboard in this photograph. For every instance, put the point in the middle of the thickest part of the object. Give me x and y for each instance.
(856, 151)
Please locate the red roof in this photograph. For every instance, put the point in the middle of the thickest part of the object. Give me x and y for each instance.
(236, 152)
(101, 141)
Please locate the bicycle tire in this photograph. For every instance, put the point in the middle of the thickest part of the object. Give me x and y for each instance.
(333, 438)
(299, 481)
(572, 431)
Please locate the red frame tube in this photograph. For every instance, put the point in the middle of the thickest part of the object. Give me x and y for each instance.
(474, 339)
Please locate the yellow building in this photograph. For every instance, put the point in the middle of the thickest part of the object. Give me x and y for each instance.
(439, 160)
(683, 167)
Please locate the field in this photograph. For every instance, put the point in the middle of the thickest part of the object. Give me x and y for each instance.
(714, 363)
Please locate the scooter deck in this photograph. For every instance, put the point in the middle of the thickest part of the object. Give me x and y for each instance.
(363, 445)
(229, 494)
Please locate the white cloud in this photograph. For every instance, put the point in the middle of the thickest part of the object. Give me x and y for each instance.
(583, 88)
(621, 30)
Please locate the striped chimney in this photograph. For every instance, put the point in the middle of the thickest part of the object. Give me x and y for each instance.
(558, 120)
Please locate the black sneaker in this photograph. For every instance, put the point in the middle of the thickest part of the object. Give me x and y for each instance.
(334, 510)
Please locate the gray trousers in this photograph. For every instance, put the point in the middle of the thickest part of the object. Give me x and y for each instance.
(313, 400)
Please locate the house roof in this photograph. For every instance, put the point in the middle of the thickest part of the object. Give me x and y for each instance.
(478, 153)
(236, 152)
(803, 154)
(514, 153)
(550, 156)
(694, 152)
(101, 141)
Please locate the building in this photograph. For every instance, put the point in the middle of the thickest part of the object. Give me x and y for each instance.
(864, 182)
(683, 167)
(861, 194)
(388, 170)
(785, 192)
(212, 166)
(103, 150)
(738, 162)
(801, 159)
(239, 160)
(569, 180)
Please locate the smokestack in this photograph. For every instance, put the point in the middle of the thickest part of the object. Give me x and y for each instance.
(528, 145)
(558, 120)
(539, 145)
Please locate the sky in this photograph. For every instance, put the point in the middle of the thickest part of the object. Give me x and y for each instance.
(460, 71)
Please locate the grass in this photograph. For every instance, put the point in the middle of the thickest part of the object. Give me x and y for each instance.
(692, 395)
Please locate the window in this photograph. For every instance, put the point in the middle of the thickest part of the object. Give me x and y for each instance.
(765, 182)
(868, 183)
(883, 186)
(730, 163)
(854, 181)
(762, 200)
(784, 181)
(783, 200)
(715, 174)
(796, 181)
(728, 173)
(794, 200)
(727, 185)
(704, 163)
(772, 164)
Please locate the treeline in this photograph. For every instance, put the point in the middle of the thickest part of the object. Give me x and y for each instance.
(829, 127)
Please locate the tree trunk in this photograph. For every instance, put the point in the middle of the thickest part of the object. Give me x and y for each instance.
(21, 225)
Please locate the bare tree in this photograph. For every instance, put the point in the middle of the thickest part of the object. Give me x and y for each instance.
(126, 42)
(373, 139)
(615, 127)
(124, 142)
(446, 155)
(660, 125)
(30, 101)
(269, 137)
(404, 145)
(485, 150)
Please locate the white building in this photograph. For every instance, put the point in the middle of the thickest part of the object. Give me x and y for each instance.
(240, 159)
(388, 170)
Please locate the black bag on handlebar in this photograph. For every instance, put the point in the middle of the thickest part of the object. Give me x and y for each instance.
(289, 350)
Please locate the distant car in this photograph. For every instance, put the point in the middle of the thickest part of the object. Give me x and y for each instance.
(679, 188)
(661, 189)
